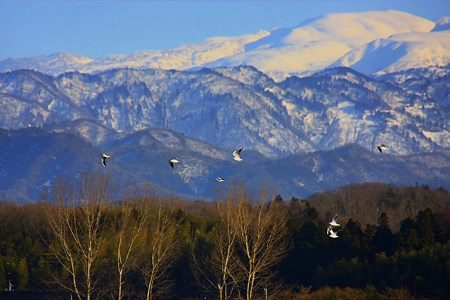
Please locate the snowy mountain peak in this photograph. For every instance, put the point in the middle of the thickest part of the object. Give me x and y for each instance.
(400, 52)
(313, 45)
(55, 63)
(358, 28)
(180, 58)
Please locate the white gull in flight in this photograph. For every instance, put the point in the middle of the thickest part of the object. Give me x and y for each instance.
(331, 233)
(381, 148)
(104, 157)
(237, 155)
(333, 222)
(173, 160)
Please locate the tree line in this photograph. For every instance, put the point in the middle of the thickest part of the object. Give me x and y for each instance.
(85, 240)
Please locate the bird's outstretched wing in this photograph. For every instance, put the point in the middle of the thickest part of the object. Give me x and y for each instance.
(381, 148)
(334, 222)
(104, 156)
(237, 154)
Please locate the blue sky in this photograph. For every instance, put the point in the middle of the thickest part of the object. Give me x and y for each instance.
(102, 27)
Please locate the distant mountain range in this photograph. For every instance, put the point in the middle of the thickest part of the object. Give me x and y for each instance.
(301, 135)
(32, 159)
(240, 107)
(369, 42)
(310, 115)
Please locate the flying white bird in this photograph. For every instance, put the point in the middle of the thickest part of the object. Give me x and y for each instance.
(382, 148)
(331, 233)
(173, 160)
(218, 179)
(328, 229)
(104, 156)
(333, 222)
(237, 155)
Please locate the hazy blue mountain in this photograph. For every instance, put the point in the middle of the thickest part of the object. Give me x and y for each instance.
(32, 159)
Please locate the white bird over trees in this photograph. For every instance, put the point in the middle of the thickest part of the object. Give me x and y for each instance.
(331, 233)
(104, 156)
(333, 222)
(218, 179)
(173, 160)
(381, 148)
(237, 155)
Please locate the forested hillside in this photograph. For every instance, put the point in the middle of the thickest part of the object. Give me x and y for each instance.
(83, 240)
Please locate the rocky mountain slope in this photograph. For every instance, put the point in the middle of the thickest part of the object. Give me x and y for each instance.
(239, 107)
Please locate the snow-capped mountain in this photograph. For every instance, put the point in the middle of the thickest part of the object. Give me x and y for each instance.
(48, 63)
(180, 58)
(400, 52)
(317, 43)
(239, 107)
(204, 104)
(311, 46)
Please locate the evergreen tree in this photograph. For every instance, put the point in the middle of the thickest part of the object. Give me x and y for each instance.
(424, 225)
(382, 240)
(408, 235)
(353, 236)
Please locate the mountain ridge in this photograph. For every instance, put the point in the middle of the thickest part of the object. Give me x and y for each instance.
(242, 107)
(300, 50)
(41, 157)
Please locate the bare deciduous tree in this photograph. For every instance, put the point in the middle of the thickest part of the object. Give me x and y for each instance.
(248, 239)
(160, 249)
(75, 218)
(225, 240)
(261, 237)
(130, 221)
(217, 266)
